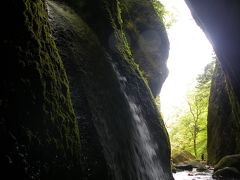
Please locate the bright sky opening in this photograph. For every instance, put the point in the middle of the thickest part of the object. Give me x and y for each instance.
(190, 52)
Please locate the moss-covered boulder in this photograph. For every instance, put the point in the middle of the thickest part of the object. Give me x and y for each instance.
(183, 156)
(228, 161)
(227, 173)
(228, 167)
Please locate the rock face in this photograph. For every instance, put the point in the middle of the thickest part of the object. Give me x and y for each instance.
(182, 157)
(229, 161)
(220, 20)
(144, 33)
(91, 57)
(82, 108)
(221, 122)
(38, 128)
(227, 173)
(148, 41)
(228, 167)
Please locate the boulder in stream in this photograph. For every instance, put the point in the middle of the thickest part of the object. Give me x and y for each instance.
(227, 173)
(182, 157)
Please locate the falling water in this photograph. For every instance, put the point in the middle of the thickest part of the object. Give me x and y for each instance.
(128, 147)
(143, 146)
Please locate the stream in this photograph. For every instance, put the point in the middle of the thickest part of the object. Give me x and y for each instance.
(193, 175)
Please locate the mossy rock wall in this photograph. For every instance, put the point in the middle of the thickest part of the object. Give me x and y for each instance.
(38, 129)
(80, 50)
(148, 40)
(220, 20)
(83, 42)
(221, 122)
(72, 119)
(136, 24)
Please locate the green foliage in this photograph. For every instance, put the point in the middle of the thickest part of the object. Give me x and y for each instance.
(157, 101)
(122, 45)
(190, 132)
(204, 80)
(158, 6)
(165, 16)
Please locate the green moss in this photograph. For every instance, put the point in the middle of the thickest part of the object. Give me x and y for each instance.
(123, 49)
(44, 120)
(87, 50)
(182, 156)
(122, 45)
(159, 8)
(144, 32)
(42, 55)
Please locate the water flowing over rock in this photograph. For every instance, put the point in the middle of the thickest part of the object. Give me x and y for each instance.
(143, 146)
(121, 137)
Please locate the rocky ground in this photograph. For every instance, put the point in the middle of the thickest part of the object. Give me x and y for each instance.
(193, 175)
(192, 169)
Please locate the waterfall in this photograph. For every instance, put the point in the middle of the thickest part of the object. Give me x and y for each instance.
(143, 146)
(128, 146)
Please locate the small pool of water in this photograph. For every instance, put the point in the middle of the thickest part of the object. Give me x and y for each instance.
(193, 175)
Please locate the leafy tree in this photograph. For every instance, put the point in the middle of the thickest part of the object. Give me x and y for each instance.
(198, 105)
(204, 80)
(197, 120)
(190, 132)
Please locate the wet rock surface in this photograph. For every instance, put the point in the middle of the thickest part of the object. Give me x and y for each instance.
(227, 173)
(228, 167)
(105, 85)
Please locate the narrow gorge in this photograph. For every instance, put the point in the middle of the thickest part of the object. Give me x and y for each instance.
(79, 80)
